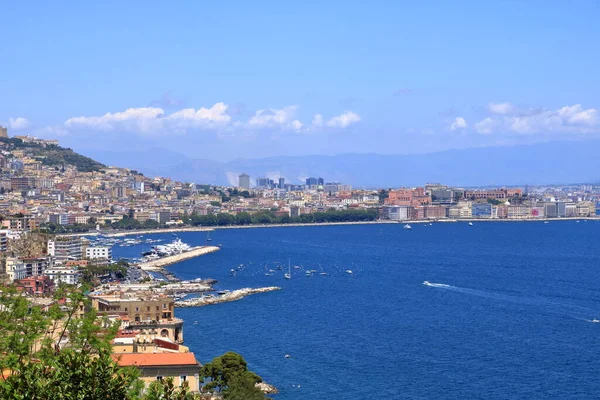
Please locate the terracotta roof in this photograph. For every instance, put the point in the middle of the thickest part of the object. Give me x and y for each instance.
(155, 359)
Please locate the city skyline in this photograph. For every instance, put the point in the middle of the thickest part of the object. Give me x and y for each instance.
(216, 80)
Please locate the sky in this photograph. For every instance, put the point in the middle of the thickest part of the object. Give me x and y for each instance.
(238, 79)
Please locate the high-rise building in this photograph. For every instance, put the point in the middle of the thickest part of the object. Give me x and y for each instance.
(264, 183)
(244, 181)
(3, 132)
(281, 183)
(314, 181)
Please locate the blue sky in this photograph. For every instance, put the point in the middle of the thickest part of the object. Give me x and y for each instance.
(234, 79)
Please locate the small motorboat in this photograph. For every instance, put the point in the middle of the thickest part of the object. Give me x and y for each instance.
(407, 226)
(349, 271)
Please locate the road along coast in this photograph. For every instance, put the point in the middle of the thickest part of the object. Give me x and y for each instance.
(157, 265)
(227, 297)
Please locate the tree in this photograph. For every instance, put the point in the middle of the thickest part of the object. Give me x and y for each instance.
(229, 375)
(165, 389)
(242, 387)
(59, 353)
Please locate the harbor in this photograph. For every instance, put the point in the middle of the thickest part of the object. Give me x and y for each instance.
(158, 264)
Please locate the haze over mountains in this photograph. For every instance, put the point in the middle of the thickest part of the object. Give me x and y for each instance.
(542, 163)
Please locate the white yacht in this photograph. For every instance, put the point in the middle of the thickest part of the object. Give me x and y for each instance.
(407, 226)
(288, 275)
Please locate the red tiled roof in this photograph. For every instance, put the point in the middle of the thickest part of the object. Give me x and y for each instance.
(155, 359)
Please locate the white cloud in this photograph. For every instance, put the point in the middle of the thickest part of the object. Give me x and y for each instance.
(317, 120)
(297, 125)
(217, 114)
(458, 123)
(271, 117)
(142, 119)
(17, 123)
(569, 119)
(501, 108)
(486, 126)
(343, 120)
(155, 121)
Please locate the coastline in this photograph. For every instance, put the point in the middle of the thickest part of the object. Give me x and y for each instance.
(378, 222)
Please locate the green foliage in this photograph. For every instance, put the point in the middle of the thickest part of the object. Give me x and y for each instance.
(229, 375)
(51, 227)
(268, 217)
(166, 390)
(55, 155)
(215, 204)
(242, 386)
(130, 224)
(90, 273)
(383, 194)
(494, 201)
(43, 364)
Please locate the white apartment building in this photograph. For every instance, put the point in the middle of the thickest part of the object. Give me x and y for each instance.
(96, 253)
(15, 269)
(65, 275)
(64, 249)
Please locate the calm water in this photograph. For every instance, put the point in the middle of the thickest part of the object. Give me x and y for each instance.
(513, 322)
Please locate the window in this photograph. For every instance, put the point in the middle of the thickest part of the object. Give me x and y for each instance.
(159, 378)
(157, 308)
(125, 308)
(137, 309)
(164, 306)
(182, 379)
(148, 308)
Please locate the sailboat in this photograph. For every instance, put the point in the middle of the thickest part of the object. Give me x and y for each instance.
(208, 239)
(288, 275)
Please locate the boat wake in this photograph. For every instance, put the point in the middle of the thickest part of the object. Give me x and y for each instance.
(574, 310)
(439, 285)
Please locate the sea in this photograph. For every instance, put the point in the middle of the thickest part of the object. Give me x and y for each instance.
(508, 312)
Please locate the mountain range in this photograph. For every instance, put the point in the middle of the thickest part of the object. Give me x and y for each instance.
(541, 163)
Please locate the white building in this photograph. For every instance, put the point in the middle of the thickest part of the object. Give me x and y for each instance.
(96, 253)
(65, 248)
(65, 275)
(15, 269)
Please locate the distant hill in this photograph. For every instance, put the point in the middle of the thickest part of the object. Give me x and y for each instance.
(542, 163)
(52, 155)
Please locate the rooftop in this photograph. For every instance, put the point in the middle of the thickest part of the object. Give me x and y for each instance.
(155, 359)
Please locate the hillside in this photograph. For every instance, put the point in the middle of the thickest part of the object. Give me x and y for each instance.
(542, 163)
(53, 155)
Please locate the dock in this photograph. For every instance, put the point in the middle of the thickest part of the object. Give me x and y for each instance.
(157, 265)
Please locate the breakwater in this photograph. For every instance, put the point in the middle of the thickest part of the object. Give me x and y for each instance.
(227, 297)
(156, 265)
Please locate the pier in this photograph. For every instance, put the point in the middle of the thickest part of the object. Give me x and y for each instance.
(231, 296)
(157, 265)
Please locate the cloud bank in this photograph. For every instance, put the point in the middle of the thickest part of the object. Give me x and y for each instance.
(568, 119)
(154, 120)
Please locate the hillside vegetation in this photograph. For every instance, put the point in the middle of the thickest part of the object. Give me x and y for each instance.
(54, 156)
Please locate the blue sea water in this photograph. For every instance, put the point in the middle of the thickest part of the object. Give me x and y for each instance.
(514, 320)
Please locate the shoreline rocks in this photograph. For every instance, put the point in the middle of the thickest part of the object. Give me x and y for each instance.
(225, 298)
